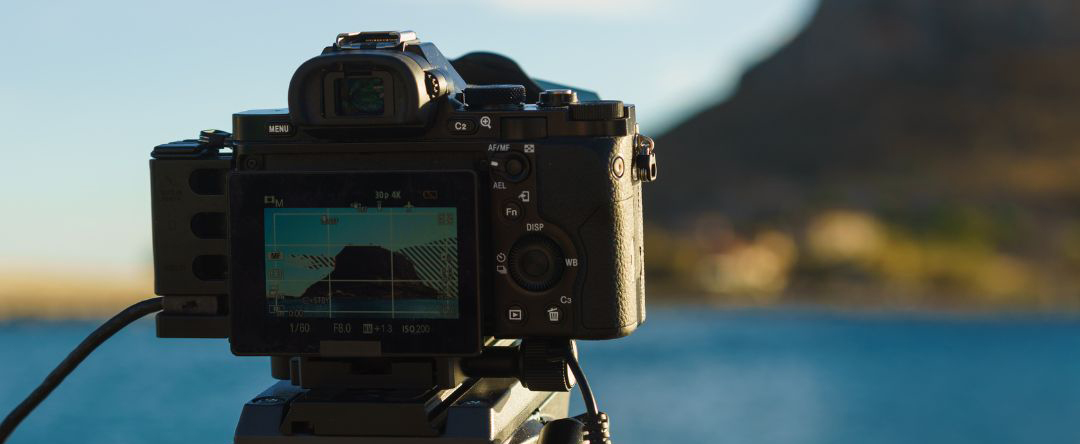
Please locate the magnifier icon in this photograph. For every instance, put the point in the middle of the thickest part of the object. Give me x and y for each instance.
(485, 122)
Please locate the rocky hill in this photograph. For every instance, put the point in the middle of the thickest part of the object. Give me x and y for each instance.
(948, 122)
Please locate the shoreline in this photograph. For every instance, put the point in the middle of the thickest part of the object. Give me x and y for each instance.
(27, 294)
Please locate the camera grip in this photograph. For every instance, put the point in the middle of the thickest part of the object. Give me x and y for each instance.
(601, 211)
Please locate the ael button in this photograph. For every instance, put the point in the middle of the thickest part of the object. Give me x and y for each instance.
(514, 166)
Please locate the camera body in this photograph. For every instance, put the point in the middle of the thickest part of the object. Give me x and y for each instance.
(395, 210)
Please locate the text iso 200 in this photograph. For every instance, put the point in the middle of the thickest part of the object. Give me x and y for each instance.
(416, 329)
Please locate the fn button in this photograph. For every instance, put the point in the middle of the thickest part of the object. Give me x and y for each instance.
(512, 211)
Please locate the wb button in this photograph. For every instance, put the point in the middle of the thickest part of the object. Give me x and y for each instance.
(461, 126)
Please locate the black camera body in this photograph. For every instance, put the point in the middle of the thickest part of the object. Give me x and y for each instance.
(395, 210)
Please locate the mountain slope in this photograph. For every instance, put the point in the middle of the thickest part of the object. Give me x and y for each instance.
(951, 127)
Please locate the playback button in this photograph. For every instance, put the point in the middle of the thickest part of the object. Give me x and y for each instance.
(461, 126)
(515, 314)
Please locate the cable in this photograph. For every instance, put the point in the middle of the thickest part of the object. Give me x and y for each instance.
(73, 359)
(583, 385)
(597, 424)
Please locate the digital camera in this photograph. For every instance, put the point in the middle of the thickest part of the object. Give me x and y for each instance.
(404, 205)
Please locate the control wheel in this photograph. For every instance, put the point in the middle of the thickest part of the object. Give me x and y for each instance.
(536, 263)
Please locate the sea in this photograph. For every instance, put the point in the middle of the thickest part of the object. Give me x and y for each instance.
(689, 375)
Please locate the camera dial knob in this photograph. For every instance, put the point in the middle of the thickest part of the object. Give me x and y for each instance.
(597, 110)
(553, 98)
(536, 263)
(479, 97)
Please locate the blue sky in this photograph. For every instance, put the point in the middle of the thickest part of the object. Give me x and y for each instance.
(88, 88)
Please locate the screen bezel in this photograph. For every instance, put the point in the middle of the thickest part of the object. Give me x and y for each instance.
(254, 333)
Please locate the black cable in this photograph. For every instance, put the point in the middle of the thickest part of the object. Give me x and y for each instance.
(73, 359)
(583, 385)
(596, 423)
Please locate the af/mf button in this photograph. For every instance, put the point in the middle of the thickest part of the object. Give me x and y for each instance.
(515, 167)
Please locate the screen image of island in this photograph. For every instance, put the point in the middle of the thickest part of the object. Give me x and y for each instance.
(390, 262)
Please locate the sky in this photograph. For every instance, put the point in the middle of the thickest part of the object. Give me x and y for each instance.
(89, 88)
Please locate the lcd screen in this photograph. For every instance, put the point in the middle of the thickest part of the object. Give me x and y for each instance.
(387, 262)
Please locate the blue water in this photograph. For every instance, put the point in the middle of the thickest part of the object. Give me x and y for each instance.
(693, 376)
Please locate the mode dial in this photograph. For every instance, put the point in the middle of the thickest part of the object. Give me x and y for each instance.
(536, 262)
(494, 96)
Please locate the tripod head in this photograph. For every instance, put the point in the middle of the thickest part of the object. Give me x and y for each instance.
(524, 383)
(539, 364)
